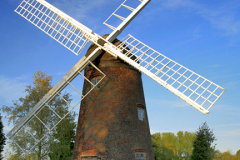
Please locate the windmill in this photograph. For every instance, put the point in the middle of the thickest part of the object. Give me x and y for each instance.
(186, 84)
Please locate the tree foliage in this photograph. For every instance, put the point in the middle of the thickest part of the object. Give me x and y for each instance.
(225, 156)
(31, 156)
(62, 147)
(202, 146)
(169, 146)
(41, 85)
(238, 154)
(2, 137)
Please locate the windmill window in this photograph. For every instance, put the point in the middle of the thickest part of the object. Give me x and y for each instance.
(141, 114)
(95, 82)
(140, 156)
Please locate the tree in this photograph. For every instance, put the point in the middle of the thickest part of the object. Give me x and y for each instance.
(217, 154)
(185, 144)
(28, 157)
(238, 154)
(224, 156)
(62, 147)
(2, 137)
(160, 150)
(14, 157)
(202, 149)
(41, 85)
(171, 146)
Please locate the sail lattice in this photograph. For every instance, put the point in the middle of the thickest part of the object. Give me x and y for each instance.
(198, 91)
(54, 24)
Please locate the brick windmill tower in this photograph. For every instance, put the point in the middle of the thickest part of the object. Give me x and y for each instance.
(113, 123)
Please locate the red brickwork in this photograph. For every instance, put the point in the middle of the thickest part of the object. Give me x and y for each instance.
(108, 124)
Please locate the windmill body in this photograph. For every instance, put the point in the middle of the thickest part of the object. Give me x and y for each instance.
(113, 121)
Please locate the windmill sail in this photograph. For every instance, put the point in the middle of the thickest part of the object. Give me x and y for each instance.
(198, 91)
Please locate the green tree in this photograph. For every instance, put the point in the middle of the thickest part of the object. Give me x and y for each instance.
(202, 149)
(27, 157)
(238, 154)
(15, 157)
(225, 156)
(41, 85)
(185, 144)
(173, 147)
(62, 147)
(2, 137)
(159, 148)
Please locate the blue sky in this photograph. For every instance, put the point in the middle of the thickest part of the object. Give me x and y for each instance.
(203, 36)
